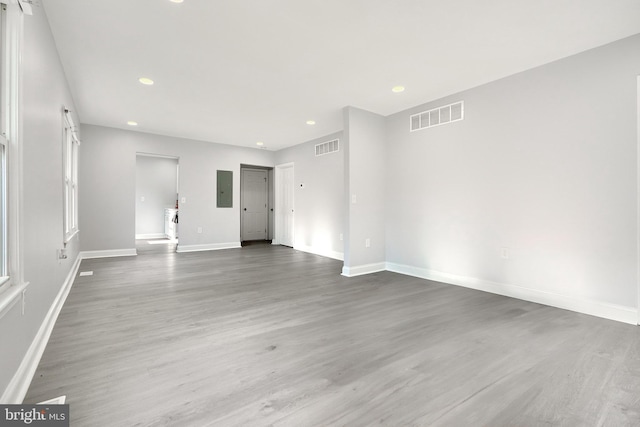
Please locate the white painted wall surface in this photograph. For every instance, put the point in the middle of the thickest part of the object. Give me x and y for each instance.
(365, 176)
(107, 187)
(318, 195)
(45, 92)
(543, 164)
(156, 189)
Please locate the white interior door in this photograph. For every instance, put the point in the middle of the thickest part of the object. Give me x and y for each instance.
(253, 204)
(284, 205)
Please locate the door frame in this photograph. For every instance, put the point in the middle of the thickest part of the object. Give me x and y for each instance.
(135, 201)
(279, 216)
(269, 195)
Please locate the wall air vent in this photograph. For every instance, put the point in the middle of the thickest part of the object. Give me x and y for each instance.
(328, 147)
(437, 116)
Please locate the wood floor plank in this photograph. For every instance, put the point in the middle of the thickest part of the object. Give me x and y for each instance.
(265, 335)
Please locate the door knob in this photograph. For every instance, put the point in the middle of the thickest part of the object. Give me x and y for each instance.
(245, 209)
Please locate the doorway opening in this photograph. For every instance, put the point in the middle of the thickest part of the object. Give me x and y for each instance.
(156, 207)
(256, 204)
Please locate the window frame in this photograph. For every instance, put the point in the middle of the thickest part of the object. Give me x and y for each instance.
(5, 277)
(4, 264)
(70, 148)
(12, 283)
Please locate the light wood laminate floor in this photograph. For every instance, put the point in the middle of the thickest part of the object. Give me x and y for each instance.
(265, 335)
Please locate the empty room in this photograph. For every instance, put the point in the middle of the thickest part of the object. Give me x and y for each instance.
(306, 213)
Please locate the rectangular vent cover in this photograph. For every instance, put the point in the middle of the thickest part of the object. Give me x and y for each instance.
(437, 116)
(328, 147)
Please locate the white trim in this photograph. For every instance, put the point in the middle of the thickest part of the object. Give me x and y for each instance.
(360, 270)
(55, 401)
(70, 147)
(108, 253)
(325, 253)
(26, 7)
(286, 165)
(581, 305)
(207, 247)
(638, 198)
(12, 86)
(151, 236)
(71, 235)
(19, 384)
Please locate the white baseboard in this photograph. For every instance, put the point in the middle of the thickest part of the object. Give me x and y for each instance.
(605, 310)
(108, 253)
(359, 270)
(207, 247)
(19, 384)
(322, 252)
(151, 236)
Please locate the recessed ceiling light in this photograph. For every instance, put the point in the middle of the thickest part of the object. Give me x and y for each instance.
(176, 1)
(145, 81)
(311, 122)
(260, 143)
(398, 89)
(132, 123)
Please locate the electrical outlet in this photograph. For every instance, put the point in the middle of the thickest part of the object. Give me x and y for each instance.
(354, 199)
(367, 243)
(199, 230)
(341, 237)
(183, 200)
(504, 253)
(142, 198)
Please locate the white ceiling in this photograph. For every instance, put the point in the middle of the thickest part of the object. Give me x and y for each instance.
(241, 71)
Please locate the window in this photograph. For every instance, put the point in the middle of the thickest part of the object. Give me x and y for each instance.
(12, 282)
(70, 167)
(4, 273)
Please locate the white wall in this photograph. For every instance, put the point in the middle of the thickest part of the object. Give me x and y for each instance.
(156, 189)
(107, 188)
(543, 164)
(45, 93)
(365, 173)
(319, 206)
